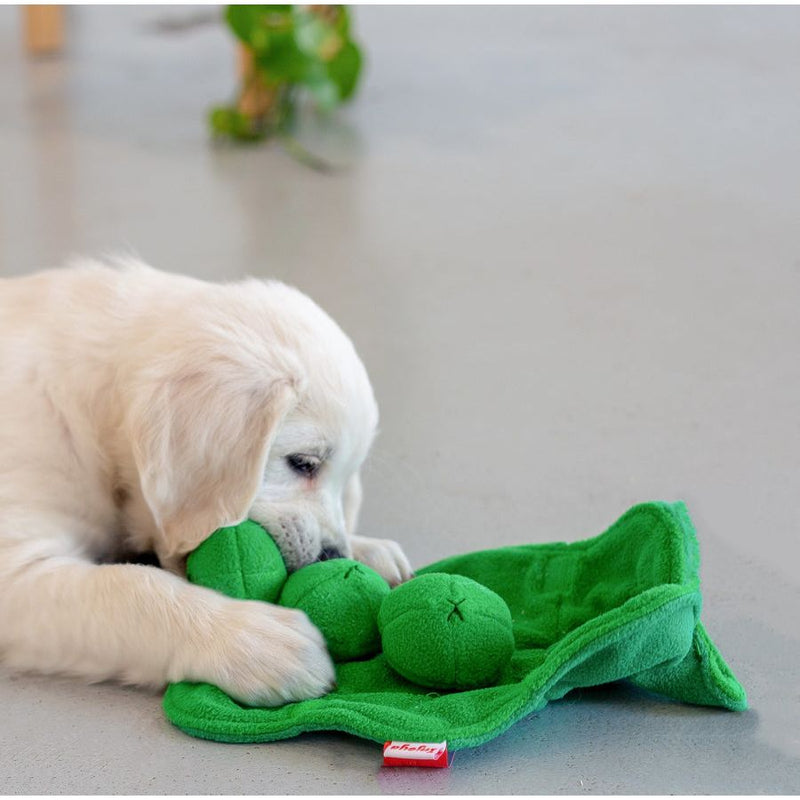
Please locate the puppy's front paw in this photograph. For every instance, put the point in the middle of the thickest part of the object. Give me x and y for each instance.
(384, 556)
(266, 655)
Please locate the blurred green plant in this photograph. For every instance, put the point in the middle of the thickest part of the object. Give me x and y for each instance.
(289, 52)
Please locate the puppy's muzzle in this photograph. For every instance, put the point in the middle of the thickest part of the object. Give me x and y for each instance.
(329, 553)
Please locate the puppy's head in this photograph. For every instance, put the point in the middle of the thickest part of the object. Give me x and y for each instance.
(311, 493)
(257, 406)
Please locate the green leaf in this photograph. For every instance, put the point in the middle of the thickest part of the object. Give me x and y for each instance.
(325, 92)
(304, 155)
(283, 61)
(229, 122)
(343, 23)
(254, 25)
(345, 69)
(311, 33)
(243, 21)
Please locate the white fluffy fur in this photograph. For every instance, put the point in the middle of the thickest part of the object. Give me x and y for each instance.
(140, 411)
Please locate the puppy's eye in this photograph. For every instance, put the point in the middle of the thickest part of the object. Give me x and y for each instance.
(304, 465)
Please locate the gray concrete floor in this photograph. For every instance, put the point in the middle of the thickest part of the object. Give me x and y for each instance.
(567, 245)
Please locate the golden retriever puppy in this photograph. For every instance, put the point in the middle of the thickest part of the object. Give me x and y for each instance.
(140, 411)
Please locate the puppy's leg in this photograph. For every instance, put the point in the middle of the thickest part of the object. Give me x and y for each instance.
(384, 556)
(139, 624)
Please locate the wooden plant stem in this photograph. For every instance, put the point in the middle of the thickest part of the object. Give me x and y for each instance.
(256, 98)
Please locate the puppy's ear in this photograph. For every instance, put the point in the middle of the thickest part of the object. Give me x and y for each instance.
(200, 443)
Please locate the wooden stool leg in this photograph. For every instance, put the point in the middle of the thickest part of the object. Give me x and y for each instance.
(44, 28)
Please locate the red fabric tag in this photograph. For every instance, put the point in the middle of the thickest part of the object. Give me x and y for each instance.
(415, 754)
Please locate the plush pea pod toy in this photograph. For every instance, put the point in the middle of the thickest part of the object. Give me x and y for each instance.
(341, 597)
(624, 605)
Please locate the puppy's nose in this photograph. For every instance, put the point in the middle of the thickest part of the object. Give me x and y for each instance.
(329, 553)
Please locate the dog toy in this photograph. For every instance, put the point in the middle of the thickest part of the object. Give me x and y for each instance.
(241, 561)
(341, 597)
(624, 605)
(446, 632)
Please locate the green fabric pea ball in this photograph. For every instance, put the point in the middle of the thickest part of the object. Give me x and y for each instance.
(241, 561)
(341, 597)
(446, 632)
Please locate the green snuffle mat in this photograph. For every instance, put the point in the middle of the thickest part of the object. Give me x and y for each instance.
(624, 605)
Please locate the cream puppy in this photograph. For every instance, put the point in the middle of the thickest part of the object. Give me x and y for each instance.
(140, 411)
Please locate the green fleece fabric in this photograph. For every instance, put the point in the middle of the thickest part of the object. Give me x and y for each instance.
(624, 605)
